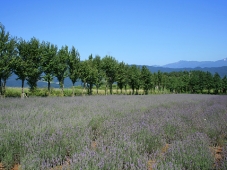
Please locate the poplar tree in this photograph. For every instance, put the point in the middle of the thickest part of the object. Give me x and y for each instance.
(20, 63)
(88, 74)
(34, 67)
(61, 66)
(73, 66)
(7, 53)
(134, 78)
(49, 52)
(145, 79)
(109, 66)
(194, 81)
(217, 83)
(224, 84)
(100, 73)
(208, 81)
(122, 75)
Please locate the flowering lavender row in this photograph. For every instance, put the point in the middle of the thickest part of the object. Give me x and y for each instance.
(114, 132)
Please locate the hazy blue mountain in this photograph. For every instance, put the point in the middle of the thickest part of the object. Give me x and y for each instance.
(194, 64)
(222, 71)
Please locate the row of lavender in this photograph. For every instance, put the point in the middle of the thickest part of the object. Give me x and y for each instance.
(114, 132)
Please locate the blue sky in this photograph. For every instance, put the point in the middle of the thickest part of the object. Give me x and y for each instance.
(144, 32)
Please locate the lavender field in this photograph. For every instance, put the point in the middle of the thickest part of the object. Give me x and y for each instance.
(174, 131)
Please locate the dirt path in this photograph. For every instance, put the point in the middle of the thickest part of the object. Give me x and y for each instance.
(1, 166)
(218, 155)
(16, 167)
(164, 149)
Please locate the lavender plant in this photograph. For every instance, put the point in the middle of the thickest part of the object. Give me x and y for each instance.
(128, 131)
(191, 153)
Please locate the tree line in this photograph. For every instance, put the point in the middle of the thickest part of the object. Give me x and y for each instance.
(33, 60)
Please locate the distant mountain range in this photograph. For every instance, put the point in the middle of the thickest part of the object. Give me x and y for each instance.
(219, 66)
(222, 71)
(194, 64)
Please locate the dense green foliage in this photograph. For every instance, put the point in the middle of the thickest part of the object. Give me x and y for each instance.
(49, 52)
(100, 72)
(146, 79)
(109, 66)
(88, 74)
(7, 54)
(134, 78)
(73, 64)
(32, 61)
(122, 75)
(60, 66)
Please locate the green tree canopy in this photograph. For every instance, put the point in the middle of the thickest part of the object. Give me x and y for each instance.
(34, 67)
(100, 73)
(49, 52)
(88, 74)
(8, 51)
(134, 77)
(73, 64)
(194, 81)
(146, 79)
(122, 75)
(20, 63)
(224, 84)
(61, 66)
(173, 83)
(109, 66)
(208, 81)
(217, 83)
(28, 63)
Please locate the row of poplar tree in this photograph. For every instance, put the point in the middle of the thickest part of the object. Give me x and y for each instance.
(34, 60)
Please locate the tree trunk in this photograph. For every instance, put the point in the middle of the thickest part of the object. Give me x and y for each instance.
(137, 91)
(90, 89)
(224, 90)
(48, 88)
(4, 88)
(106, 88)
(126, 89)
(22, 89)
(73, 91)
(83, 89)
(97, 90)
(1, 87)
(62, 87)
(208, 91)
(62, 92)
(111, 88)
